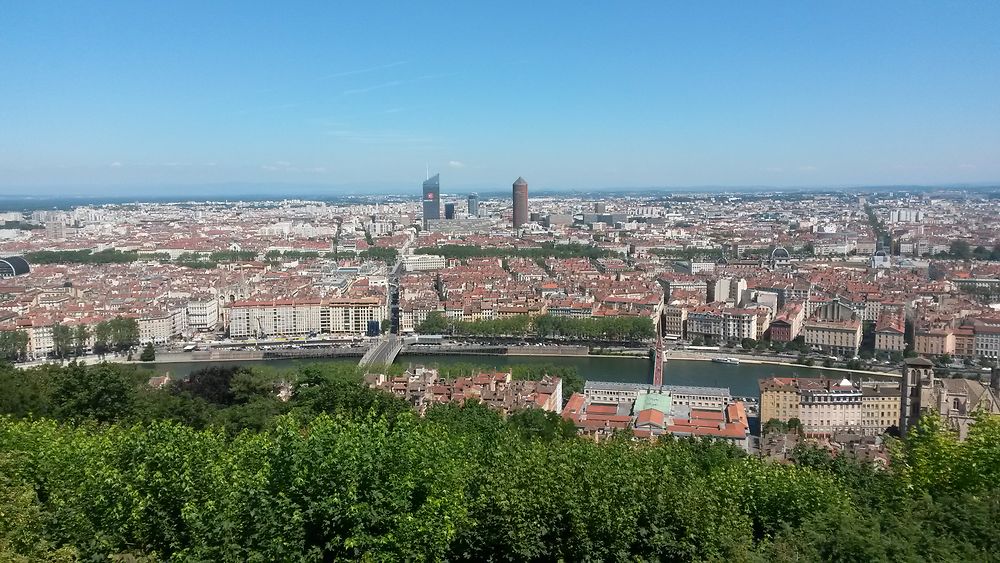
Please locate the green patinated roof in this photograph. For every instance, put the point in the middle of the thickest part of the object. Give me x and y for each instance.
(659, 401)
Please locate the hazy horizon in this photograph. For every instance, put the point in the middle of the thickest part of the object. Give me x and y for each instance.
(265, 191)
(368, 97)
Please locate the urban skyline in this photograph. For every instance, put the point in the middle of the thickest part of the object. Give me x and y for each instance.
(274, 287)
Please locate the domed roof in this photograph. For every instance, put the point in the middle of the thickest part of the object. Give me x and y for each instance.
(14, 265)
(846, 383)
(779, 252)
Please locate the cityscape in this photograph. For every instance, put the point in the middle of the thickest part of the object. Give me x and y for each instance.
(377, 311)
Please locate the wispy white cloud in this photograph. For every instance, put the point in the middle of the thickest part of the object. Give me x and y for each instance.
(115, 164)
(394, 83)
(379, 137)
(364, 70)
(282, 165)
(807, 168)
(773, 169)
(967, 166)
(366, 89)
(456, 164)
(285, 166)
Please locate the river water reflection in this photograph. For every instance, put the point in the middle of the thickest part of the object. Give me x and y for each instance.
(740, 379)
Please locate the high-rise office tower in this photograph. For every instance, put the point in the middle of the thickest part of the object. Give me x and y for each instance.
(520, 202)
(473, 205)
(600, 207)
(432, 198)
(449, 211)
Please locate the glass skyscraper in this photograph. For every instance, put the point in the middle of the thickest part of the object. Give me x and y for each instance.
(432, 198)
(473, 205)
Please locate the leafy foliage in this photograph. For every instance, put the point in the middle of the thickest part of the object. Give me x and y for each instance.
(109, 256)
(545, 326)
(148, 353)
(224, 470)
(545, 250)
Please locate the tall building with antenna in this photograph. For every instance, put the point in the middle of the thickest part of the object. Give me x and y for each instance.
(432, 199)
(520, 202)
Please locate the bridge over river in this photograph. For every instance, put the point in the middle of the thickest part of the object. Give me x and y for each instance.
(383, 352)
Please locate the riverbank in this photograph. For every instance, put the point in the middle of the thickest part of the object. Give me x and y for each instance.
(546, 352)
(698, 357)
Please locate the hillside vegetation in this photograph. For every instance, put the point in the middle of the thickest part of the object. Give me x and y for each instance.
(94, 465)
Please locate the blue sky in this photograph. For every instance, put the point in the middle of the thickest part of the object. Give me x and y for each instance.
(107, 97)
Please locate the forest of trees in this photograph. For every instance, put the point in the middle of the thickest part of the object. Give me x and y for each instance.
(962, 250)
(80, 257)
(95, 465)
(13, 345)
(544, 326)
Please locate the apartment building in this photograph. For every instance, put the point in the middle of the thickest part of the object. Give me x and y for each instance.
(304, 317)
(842, 338)
(987, 340)
(739, 323)
(160, 326)
(889, 333)
(279, 317)
(965, 342)
(351, 315)
(413, 313)
(674, 319)
(40, 343)
(423, 262)
(825, 406)
(880, 404)
(835, 407)
(724, 323)
(788, 324)
(933, 341)
(203, 314)
(705, 321)
(779, 399)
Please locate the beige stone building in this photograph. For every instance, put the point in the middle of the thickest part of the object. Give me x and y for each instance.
(965, 342)
(842, 338)
(826, 406)
(880, 404)
(779, 399)
(835, 407)
(932, 342)
(674, 317)
(889, 334)
(956, 401)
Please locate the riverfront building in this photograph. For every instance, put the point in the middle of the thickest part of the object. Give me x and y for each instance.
(657, 410)
(298, 318)
(956, 401)
(825, 407)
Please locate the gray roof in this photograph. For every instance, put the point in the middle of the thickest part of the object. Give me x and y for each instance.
(520, 182)
(18, 264)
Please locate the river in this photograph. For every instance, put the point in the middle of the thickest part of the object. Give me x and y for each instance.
(740, 379)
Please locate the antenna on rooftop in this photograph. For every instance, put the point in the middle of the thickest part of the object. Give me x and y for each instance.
(428, 166)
